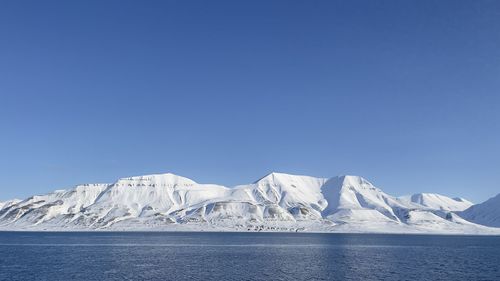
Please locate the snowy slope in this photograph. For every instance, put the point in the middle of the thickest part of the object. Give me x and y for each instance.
(8, 203)
(41, 208)
(359, 196)
(439, 202)
(487, 213)
(276, 202)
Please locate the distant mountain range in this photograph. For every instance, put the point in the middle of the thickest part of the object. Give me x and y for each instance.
(276, 202)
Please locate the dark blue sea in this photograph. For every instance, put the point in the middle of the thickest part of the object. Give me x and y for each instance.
(246, 256)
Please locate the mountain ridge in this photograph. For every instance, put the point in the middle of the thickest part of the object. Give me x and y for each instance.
(486, 213)
(275, 202)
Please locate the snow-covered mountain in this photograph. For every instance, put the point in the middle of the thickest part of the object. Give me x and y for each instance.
(439, 202)
(276, 202)
(8, 203)
(487, 213)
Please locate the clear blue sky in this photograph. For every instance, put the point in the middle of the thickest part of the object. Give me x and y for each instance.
(403, 93)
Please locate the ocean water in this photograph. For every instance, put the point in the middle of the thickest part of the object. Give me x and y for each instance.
(246, 256)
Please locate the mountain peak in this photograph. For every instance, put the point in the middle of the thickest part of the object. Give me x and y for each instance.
(354, 181)
(440, 202)
(275, 177)
(270, 177)
(165, 178)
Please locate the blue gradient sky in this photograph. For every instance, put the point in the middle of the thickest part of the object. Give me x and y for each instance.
(403, 93)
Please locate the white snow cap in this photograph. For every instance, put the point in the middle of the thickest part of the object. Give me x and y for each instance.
(275, 202)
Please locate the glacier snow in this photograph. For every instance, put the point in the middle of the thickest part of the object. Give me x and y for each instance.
(276, 202)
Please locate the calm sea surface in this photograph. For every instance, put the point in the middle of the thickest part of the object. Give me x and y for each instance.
(246, 256)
